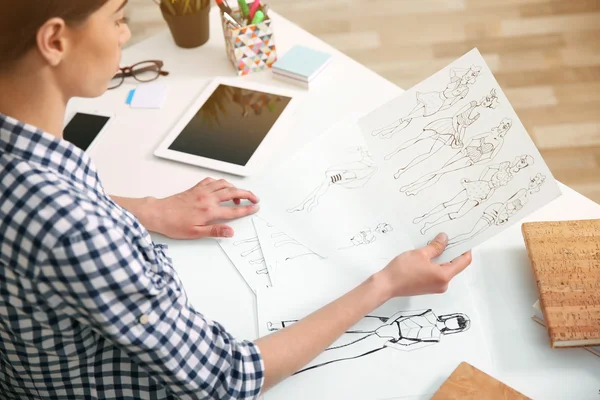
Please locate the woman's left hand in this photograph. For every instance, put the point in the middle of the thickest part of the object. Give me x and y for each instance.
(195, 213)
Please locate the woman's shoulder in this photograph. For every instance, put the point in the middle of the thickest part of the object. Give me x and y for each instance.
(42, 201)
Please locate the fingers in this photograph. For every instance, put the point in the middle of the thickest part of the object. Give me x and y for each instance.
(458, 265)
(236, 212)
(436, 247)
(217, 230)
(233, 193)
(205, 182)
(218, 185)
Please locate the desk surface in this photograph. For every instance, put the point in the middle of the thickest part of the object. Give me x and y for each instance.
(504, 288)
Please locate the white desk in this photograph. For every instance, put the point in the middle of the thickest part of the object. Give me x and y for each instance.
(505, 286)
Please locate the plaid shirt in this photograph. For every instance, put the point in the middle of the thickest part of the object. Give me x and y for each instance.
(90, 307)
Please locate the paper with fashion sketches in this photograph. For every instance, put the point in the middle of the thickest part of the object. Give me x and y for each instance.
(328, 197)
(244, 251)
(457, 157)
(408, 346)
(279, 249)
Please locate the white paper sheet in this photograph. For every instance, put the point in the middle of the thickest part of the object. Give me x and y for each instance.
(457, 157)
(245, 253)
(328, 197)
(150, 95)
(407, 347)
(279, 249)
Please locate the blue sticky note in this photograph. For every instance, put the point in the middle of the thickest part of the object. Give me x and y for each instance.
(130, 96)
(302, 62)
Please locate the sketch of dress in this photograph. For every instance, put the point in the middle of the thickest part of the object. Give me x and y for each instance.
(448, 132)
(352, 175)
(368, 236)
(405, 331)
(480, 149)
(499, 213)
(474, 193)
(431, 103)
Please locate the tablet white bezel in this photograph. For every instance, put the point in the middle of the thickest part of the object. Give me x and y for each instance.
(267, 146)
(72, 115)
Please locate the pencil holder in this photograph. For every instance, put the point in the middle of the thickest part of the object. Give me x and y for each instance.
(250, 48)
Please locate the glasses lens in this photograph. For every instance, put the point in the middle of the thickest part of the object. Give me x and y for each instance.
(146, 71)
(116, 81)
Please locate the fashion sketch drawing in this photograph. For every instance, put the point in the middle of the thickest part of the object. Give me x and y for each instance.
(499, 213)
(253, 249)
(351, 175)
(474, 193)
(478, 150)
(431, 103)
(444, 132)
(280, 240)
(368, 236)
(405, 331)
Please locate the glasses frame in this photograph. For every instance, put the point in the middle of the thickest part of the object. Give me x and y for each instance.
(126, 72)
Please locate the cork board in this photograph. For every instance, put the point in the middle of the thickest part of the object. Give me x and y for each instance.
(565, 258)
(470, 383)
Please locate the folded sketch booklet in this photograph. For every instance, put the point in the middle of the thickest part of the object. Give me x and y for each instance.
(449, 155)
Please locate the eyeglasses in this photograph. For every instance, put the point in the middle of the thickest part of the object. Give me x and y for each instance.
(145, 71)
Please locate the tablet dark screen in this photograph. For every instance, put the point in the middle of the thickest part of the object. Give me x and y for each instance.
(231, 124)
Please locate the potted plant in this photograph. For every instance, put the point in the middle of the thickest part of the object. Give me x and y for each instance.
(188, 21)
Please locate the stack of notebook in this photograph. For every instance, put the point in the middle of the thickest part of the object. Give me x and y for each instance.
(300, 65)
(565, 258)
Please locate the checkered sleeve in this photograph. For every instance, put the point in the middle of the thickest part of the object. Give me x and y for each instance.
(125, 287)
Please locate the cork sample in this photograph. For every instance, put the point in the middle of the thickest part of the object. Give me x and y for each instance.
(469, 383)
(565, 258)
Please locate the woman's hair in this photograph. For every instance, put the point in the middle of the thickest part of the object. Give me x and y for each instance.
(20, 21)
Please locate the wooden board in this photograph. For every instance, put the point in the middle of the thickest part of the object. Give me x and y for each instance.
(470, 383)
(565, 258)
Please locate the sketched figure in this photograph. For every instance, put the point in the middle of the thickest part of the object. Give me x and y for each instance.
(448, 131)
(405, 331)
(368, 236)
(431, 103)
(480, 149)
(352, 175)
(280, 239)
(499, 213)
(250, 251)
(475, 193)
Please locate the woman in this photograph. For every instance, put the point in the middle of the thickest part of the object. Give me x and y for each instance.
(499, 213)
(444, 132)
(479, 150)
(431, 103)
(475, 193)
(91, 307)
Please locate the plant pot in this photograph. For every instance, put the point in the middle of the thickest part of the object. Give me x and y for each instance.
(190, 30)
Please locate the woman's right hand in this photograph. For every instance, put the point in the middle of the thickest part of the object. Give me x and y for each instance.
(413, 273)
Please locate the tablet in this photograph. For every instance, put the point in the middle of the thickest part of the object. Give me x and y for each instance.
(233, 126)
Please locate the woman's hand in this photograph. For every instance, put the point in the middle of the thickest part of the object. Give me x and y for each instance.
(194, 213)
(413, 273)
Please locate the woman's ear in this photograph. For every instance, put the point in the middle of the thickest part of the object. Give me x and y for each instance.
(52, 41)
